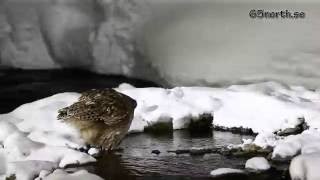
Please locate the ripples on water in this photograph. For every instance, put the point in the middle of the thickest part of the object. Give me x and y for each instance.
(137, 162)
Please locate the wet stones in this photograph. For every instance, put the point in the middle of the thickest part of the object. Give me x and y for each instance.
(157, 152)
(159, 128)
(296, 130)
(201, 124)
(194, 151)
(236, 130)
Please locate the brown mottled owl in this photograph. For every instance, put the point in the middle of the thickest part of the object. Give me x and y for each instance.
(103, 117)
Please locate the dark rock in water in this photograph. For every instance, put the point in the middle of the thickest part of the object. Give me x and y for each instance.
(236, 130)
(199, 152)
(302, 126)
(159, 128)
(24, 86)
(202, 124)
(248, 151)
(179, 151)
(11, 177)
(279, 159)
(157, 152)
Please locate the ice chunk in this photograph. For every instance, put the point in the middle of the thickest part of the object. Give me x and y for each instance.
(257, 163)
(224, 171)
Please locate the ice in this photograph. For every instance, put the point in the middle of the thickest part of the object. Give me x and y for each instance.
(258, 164)
(224, 171)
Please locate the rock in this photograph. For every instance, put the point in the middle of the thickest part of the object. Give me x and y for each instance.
(179, 151)
(251, 148)
(236, 130)
(159, 128)
(247, 151)
(296, 130)
(199, 151)
(202, 124)
(257, 164)
(95, 152)
(157, 152)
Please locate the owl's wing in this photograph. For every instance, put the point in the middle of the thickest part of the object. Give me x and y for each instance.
(114, 120)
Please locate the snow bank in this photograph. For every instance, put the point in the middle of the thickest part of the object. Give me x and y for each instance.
(32, 140)
(79, 175)
(224, 171)
(305, 166)
(257, 163)
(263, 107)
(196, 37)
(97, 35)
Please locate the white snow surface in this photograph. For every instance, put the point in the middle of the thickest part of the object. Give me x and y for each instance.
(79, 175)
(263, 107)
(223, 171)
(33, 140)
(196, 36)
(305, 166)
(258, 164)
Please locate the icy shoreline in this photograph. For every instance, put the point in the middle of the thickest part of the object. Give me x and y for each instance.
(32, 137)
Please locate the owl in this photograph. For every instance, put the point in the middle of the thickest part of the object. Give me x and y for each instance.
(103, 117)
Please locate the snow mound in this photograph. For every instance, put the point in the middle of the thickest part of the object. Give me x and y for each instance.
(305, 166)
(79, 175)
(263, 107)
(306, 142)
(224, 171)
(257, 163)
(33, 140)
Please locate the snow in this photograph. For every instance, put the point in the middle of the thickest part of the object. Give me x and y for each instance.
(31, 135)
(305, 166)
(103, 38)
(263, 107)
(32, 139)
(97, 35)
(224, 171)
(257, 163)
(79, 175)
(218, 43)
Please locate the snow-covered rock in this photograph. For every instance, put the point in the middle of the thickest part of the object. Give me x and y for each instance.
(263, 107)
(79, 175)
(258, 164)
(33, 140)
(305, 143)
(305, 167)
(224, 171)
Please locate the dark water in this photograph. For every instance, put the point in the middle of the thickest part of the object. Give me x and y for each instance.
(137, 162)
(23, 86)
